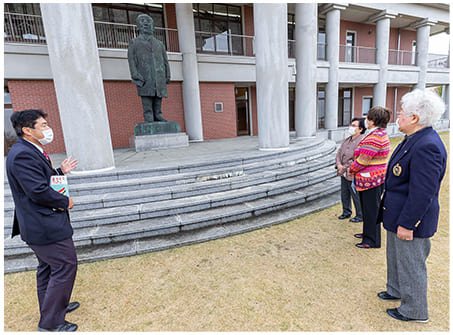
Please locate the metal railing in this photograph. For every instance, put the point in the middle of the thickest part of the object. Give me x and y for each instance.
(225, 43)
(23, 28)
(354, 54)
(118, 35)
(401, 57)
(438, 61)
(321, 52)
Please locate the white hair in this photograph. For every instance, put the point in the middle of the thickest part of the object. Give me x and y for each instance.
(426, 104)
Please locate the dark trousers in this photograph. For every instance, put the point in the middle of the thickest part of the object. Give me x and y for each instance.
(152, 109)
(55, 279)
(370, 200)
(346, 194)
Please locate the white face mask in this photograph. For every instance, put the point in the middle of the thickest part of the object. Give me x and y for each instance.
(48, 136)
(351, 130)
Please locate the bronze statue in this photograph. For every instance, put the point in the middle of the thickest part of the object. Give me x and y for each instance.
(149, 68)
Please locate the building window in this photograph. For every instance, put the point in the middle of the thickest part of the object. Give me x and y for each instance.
(291, 35)
(350, 46)
(23, 8)
(216, 26)
(127, 13)
(367, 102)
(345, 107)
(322, 42)
(321, 107)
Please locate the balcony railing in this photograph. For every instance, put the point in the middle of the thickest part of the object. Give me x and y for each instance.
(321, 55)
(23, 28)
(401, 57)
(438, 61)
(225, 43)
(354, 54)
(117, 35)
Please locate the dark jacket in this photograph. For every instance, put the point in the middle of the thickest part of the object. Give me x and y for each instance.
(40, 216)
(148, 65)
(412, 182)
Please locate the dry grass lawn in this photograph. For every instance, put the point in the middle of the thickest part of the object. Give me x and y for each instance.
(304, 275)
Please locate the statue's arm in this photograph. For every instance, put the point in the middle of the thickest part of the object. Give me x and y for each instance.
(167, 66)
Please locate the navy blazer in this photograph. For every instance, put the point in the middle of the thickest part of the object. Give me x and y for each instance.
(412, 182)
(40, 215)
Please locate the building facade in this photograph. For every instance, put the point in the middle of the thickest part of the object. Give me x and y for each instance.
(254, 68)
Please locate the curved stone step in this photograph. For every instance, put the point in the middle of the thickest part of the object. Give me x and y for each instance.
(107, 199)
(169, 177)
(144, 210)
(151, 235)
(185, 190)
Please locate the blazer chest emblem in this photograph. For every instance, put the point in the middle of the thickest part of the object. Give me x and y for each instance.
(397, 170)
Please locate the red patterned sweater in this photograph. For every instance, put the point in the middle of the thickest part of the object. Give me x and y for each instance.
(370, 160)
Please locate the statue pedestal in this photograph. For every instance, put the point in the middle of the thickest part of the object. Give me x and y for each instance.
(158, 135)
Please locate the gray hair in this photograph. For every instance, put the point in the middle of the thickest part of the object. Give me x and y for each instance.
(426, 104)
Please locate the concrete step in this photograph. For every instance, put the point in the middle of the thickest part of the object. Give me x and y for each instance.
(108, 200)
(139, 236)
(142, 209)
(171, 176)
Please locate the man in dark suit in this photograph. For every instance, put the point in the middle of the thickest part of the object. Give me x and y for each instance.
(410, 206)
(149, 68)
(41, 217)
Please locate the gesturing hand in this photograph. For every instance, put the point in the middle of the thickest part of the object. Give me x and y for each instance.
(68, 165)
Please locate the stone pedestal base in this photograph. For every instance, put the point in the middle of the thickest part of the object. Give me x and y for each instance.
(158, 141)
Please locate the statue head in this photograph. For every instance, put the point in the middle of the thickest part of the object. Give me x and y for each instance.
(145, 24)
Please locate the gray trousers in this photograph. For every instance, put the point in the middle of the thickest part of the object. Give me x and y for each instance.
(406, 274)
(346, 194)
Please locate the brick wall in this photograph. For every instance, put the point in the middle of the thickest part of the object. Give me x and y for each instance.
(360, 92)
(124, 107)
(39, 94)
(218, 125)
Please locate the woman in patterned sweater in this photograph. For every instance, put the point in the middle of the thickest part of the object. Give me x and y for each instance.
(369, 168)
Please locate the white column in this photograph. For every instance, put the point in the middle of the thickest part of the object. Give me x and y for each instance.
(423, 31)
(306, 51)
(76, 69)
(382, 21)
(190, 85)
(271, 49)
(332, 12)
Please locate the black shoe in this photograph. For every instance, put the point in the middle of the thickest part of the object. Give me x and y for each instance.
(385, 296)
(72, 307)
(65, 327)
(358, 236)
(393, 312)
(343, 216)
(363, 246)
(356, 219)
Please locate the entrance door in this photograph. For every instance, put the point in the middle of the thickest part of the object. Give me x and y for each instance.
(344, 107)
(242, 111)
